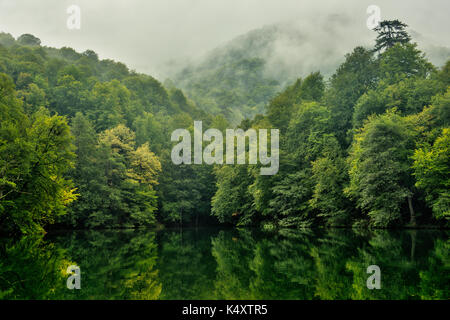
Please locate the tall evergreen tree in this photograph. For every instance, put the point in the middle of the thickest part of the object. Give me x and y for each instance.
(390, 32)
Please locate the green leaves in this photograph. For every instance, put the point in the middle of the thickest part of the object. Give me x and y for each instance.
(404, 61)
(379, 168)
(432, 171)
(384, 106)
(115, 178)
(36, 152)
(390, 32)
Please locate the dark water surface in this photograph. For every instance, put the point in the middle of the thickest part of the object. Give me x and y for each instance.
(227, 264)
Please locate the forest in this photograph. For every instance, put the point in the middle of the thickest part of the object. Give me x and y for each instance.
(85, 143)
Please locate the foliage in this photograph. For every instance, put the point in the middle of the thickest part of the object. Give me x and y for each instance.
(364, 147)
(432, 171)
(380, 178)
(35, 153)
(390, 32)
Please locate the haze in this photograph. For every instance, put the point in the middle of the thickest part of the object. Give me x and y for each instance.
(148, 35)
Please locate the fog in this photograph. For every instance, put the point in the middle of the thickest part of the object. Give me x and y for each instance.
(149, 35)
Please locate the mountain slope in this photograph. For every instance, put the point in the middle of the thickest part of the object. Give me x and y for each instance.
(240, 77)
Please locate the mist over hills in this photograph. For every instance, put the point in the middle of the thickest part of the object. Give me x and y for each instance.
(238, 78)
(110, 126)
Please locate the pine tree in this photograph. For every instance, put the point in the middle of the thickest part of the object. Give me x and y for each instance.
(390, 32)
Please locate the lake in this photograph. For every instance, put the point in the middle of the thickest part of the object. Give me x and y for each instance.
(208, 263)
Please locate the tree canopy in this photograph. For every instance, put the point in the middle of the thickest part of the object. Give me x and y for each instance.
(85, 142)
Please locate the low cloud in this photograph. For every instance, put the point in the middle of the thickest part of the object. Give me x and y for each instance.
(148, 35)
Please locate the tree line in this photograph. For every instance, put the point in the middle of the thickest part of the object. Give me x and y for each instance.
(368, 148)
(85, 143)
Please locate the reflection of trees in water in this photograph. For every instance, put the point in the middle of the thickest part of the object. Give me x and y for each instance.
(114, 265)
(398, 271)
(30, 268)
(276, 267)
(187, 267)
(227, 264)
(403, 257)
(333, 249)
(435, 278)
(233, 252)
(330, 265)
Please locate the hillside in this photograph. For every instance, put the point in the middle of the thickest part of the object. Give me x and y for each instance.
(239, 78)
(103, 130)
(86, 143)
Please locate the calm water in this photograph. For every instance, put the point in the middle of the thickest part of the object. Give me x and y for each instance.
(227, 264)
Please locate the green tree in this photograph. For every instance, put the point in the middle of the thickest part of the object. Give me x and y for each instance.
(432, 171)
(68, 96)
(111, 101)
(380, 174)
(233, 201)
(404, 61)
(409, 96)
(6, 39)
(36, 152)
(330, 174)
(130, 179)
(356, 76)
(88, 175)
(390, 32)
(28, 40)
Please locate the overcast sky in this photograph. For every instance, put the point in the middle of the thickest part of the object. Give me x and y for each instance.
(145, 34)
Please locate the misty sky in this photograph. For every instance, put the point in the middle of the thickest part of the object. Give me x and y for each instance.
(147, 34)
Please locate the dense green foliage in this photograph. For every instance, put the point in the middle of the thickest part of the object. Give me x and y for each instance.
(86, 143)
(432, 169)
(368, 148)
(36, 150)
(235, 89)
(76, 127)
(390, 32)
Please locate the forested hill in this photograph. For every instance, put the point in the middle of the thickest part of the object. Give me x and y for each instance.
(85, 143)
(239, 78)
(371, 148)
(27, 62)
(109, 160)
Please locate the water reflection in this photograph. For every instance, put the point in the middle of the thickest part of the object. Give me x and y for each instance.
(227, 264)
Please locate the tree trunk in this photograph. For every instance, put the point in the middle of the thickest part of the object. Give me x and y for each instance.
(413, 244)
(411, 212)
